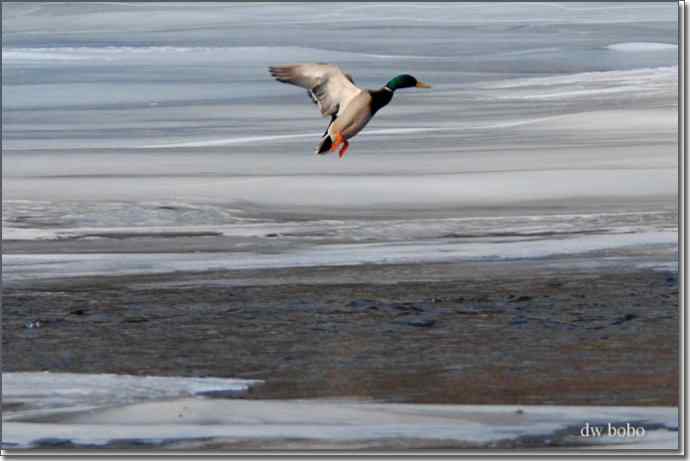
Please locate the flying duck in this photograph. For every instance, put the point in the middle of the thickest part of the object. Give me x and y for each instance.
(349, 107)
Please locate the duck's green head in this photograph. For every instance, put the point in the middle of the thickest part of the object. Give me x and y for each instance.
(405, 81)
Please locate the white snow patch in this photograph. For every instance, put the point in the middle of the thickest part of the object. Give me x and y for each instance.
(43, 392)
(642, 46)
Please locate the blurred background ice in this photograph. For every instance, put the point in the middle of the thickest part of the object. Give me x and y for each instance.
(152, 118)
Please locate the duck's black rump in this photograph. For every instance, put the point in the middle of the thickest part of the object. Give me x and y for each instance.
(325, 145)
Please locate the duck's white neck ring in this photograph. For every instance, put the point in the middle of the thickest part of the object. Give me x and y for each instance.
(387, 89)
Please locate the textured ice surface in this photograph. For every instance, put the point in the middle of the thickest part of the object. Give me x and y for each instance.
(161, 121)
(43, 392)
(17, 267)
(97, 409)
(642, 46)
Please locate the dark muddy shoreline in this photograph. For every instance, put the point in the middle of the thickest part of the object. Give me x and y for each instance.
(506, 333)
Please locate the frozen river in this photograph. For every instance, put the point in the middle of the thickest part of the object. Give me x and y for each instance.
(128, 125)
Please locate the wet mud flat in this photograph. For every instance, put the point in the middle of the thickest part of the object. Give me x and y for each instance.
(479, 333)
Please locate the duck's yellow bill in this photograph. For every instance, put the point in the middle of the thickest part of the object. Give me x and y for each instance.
(422, 85)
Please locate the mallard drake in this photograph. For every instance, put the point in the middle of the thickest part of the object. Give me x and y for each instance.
(349, 106)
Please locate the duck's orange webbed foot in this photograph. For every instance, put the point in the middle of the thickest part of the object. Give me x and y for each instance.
(339, 139)
(343, 151)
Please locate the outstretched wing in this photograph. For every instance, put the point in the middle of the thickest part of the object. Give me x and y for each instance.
(316, 101)
(327, 84)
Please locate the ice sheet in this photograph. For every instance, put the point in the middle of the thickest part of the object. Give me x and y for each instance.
(258, 422)
(642, 46)
(160, 122)
(17, 267)
(508, 188)
(41, 393)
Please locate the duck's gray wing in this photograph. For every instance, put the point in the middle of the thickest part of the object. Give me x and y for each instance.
(327, 84)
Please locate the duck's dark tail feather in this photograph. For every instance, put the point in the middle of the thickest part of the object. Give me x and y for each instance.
(325, 145)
